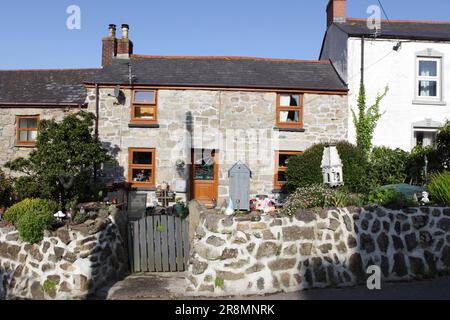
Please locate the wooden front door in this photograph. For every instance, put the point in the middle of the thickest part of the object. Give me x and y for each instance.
(205, 176)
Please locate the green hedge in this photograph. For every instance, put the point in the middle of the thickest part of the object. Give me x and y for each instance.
(31, 217)
(388, 166)
(6, 190)
(305, 169)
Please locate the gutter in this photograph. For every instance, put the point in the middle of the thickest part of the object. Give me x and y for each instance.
(41, 104)
(217, 87)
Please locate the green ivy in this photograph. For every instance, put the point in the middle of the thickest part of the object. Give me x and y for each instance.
(366, 120)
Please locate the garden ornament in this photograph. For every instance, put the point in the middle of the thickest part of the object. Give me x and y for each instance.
(332, 167)
(59, 215)
(425, 197)
(230, 210)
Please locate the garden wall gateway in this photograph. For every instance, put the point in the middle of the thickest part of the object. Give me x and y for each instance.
(65, 264)
(317, 249)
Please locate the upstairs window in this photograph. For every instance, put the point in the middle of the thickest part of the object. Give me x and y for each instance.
(141, 169)
(290, 111)
(428, 78)
(27, 130)
(144, 109)
(281, 162)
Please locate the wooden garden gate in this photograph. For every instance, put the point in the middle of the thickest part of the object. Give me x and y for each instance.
(159, 244)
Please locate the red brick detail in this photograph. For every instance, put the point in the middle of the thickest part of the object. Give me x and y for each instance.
(124, 46)
(336, 11)
(109, 51)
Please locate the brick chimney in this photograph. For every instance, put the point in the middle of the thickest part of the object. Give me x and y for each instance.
(109, 50)
(124, 45)
(336, 11)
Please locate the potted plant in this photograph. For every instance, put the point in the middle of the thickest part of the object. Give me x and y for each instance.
(179, 208)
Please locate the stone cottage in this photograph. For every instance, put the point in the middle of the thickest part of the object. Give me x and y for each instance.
(186, 121)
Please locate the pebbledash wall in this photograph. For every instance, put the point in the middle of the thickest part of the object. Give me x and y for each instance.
(239, 124)
(9, 150)
(317, 249)
(64, 265)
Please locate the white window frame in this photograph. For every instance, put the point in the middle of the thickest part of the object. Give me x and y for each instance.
(437, 78)
(418, 129)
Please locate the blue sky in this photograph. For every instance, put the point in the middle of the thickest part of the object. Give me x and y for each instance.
(34, 33)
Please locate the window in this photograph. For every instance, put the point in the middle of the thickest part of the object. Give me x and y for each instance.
(144, 108)
(141, 170)
(281, 161)
(290, 110)
(425, 138)
(429, 78)
(27, 129)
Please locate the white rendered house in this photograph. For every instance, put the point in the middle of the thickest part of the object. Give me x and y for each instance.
(411, 57)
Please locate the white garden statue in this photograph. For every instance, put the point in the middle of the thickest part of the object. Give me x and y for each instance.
(332, 167)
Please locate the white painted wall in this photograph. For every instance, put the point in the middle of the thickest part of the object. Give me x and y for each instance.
(384, 66)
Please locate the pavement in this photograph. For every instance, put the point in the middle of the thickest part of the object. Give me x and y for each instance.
(167, 286)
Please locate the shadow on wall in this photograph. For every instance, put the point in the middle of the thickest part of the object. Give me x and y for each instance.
(112, 169)
(108, 258)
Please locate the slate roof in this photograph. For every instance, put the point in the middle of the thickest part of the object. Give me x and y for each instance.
(46, 87)
(401, 29)
(222, 72)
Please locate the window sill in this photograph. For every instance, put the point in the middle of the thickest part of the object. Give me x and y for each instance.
(289, 129)
(141, 188)
(430, 102)
(144, 125)
(31, 146)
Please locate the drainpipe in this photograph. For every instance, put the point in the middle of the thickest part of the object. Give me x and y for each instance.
(362, 61)
(97, 110)
(96, 133)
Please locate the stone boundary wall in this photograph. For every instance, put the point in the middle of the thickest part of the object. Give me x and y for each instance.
(327, 248)
(65, 264)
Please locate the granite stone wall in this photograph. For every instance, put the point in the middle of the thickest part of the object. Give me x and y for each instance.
(66, 264)
(8, 129)
(241, 125)
(316, 249)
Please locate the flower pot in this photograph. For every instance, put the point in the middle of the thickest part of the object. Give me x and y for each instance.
(179, 210)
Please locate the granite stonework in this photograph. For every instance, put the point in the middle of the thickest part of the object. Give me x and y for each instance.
(329, 248)
(240, 124)
(66, 264)
(8, 129)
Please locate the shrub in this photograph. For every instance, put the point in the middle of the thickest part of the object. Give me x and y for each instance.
(389, 198)
(305, 169)
(387, 166)
(443, 147)
(65, 161)
(416, 164)
(31, 217)
(439, 188)
(319, 196)
(6, 190)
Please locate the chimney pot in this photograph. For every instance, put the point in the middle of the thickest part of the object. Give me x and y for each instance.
(125, 31)
(112, 31)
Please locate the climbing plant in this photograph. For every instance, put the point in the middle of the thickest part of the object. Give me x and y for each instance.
(367, 119)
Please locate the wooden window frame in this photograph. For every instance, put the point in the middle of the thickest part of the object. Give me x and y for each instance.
(134, 104)
(132, 166)
(277, 185)
(18, 130)
(288, 125)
